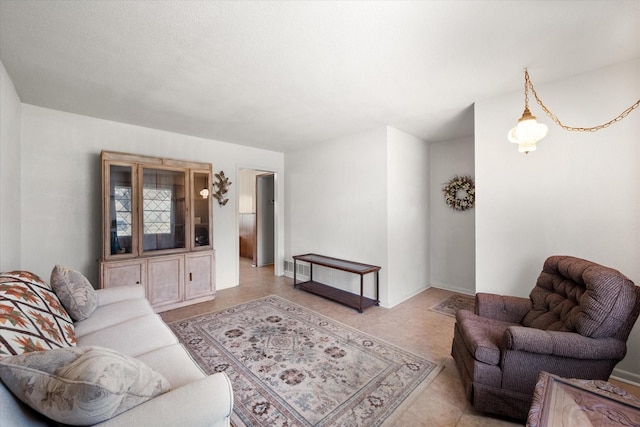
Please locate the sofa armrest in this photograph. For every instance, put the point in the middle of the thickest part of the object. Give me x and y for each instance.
(563, 344)
(206, 402)
(119, 293)
(501, 307)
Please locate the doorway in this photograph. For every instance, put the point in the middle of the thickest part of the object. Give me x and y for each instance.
(256, 220)
(265, 216)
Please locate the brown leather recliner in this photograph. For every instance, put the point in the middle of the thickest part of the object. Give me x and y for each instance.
(574, 324)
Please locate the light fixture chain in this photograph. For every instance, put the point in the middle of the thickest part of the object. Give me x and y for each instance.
(557, 121)
(527, 82)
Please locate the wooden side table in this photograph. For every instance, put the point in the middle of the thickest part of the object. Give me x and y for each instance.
(572, 402)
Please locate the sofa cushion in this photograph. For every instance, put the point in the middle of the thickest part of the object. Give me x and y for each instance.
(133, 337)
(112, 314)
(31, 315)
(165, 360)
(81, 385)
(75, 292)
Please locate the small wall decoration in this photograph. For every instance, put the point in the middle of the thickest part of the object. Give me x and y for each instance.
(220, 187)
(460, 193)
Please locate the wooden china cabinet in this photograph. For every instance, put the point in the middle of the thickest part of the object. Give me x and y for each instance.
(157, 219)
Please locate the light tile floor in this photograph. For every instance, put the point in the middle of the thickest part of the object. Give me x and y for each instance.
(410, 325)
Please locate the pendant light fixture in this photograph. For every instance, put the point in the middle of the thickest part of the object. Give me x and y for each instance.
(528, 131)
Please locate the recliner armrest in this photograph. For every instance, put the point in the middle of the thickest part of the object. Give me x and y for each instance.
(563, 344)
(500, 307)
(206, 402)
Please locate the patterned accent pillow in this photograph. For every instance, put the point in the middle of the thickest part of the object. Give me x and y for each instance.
(26, 276)
(80, 385)
(31, 315)
(75, 292)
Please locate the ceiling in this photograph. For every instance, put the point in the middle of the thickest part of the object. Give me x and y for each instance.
(281, 75)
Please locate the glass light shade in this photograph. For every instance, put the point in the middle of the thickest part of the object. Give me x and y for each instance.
(204, 193)
(527, 132)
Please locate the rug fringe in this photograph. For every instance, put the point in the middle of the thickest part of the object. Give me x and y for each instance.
(236, 421)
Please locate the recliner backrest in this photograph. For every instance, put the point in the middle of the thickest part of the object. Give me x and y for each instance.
(576, 295)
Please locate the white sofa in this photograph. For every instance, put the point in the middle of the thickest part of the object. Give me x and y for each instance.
(124, 321)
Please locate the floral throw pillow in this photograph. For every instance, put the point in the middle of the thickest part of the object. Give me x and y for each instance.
(75, 292)
(80, 385)
(31, 315)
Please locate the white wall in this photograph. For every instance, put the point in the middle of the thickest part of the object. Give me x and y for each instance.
(363, 197)
(61, 187)
(578, 194)
(336, 196)
(407, 216)
(10, 135)
(453, 251)
(247, 190)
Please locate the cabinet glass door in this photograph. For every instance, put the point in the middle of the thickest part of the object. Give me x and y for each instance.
(201, 208)
(120, 210)
(163, 209)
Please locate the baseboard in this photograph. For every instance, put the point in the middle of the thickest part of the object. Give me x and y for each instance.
(455, 289)
(299, 277)
(407, 297)
(626, 377)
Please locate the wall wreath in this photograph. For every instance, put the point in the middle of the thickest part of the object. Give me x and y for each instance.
(460, 193)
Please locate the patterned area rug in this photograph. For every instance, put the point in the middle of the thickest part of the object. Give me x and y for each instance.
(290, 366)
(452, 304)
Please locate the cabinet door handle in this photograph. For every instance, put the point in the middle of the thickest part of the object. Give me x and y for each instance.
(191, 277)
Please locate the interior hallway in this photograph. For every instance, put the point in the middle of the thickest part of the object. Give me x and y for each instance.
(410, 325)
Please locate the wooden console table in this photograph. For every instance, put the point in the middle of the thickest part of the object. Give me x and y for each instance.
(571, 402)
(359, 302)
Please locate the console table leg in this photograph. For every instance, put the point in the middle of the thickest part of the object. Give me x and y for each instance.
(361, 290)
(377, 290)
(294, 272)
